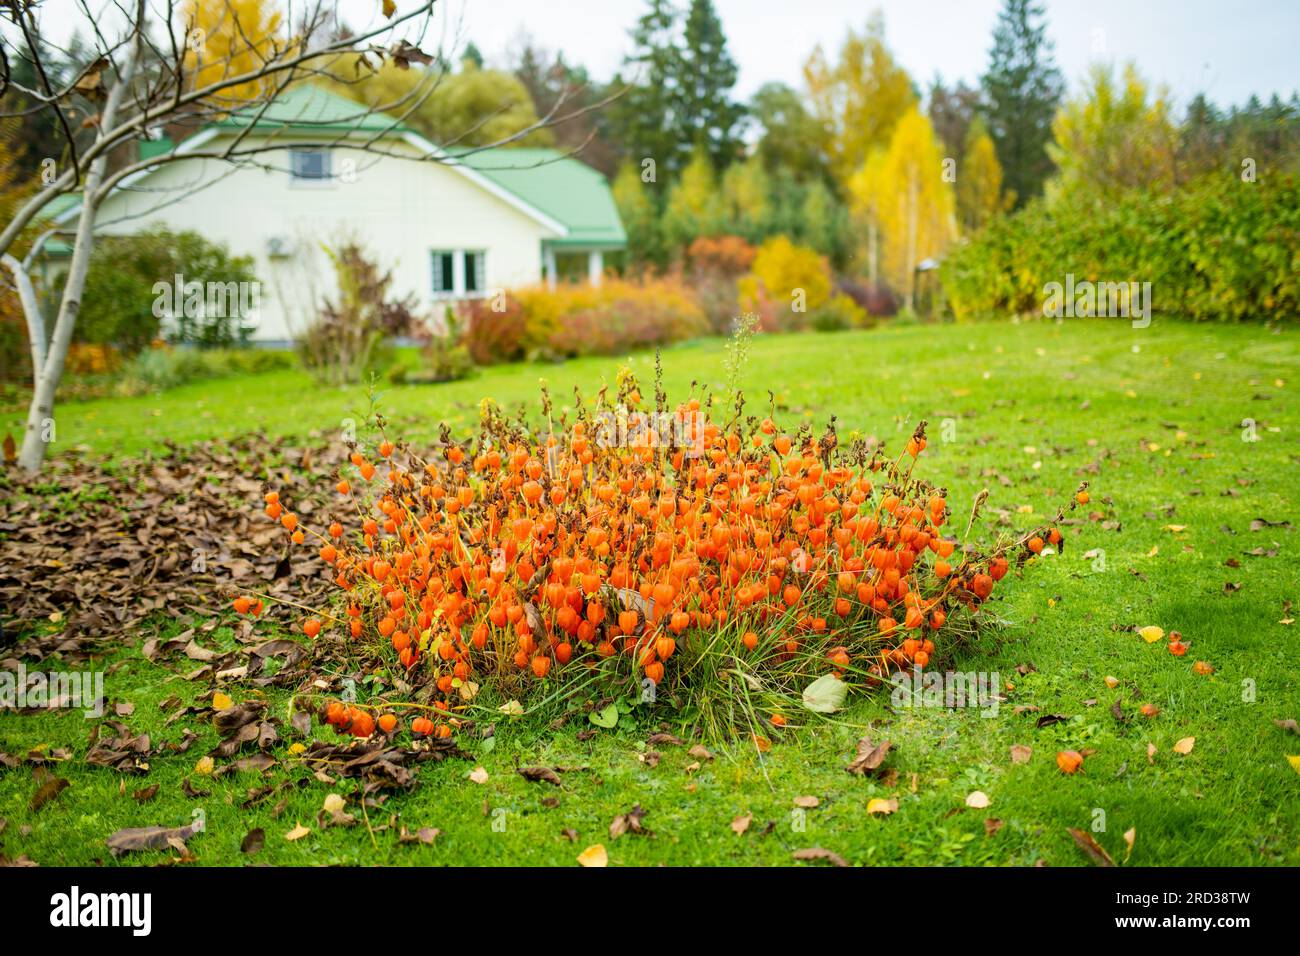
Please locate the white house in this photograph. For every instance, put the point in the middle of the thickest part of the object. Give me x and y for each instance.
(448, 226)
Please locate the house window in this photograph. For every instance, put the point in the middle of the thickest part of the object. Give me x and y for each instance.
(310, 165)
(444, 280)
(474, 272)
(458, 272)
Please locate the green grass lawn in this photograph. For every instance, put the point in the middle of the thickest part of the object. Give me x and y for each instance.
(1152, 418)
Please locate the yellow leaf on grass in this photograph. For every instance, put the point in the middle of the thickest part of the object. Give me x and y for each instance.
(594, 856)
(334, 803)
(297, 833)
(878, 805)
(1185, 745)
(977, 800)
(1130, 836)
(221, 701)
(204, 765)
(1295, 762)
(1151, 633)
(1112, 682)
(297, 748)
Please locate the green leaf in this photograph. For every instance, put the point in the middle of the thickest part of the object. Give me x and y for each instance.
(825, 695)
(606, 717)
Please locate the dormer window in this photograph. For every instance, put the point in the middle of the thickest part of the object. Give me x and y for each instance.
(310, 166)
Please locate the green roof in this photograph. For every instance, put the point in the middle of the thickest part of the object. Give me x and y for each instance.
(309, 108)
(564, 188)
(550, 181)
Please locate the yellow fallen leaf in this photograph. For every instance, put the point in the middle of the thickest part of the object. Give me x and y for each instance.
(594, 856)
(1295, 762)
(1155, 549)
(977, 800)
(1185, 745)
(297, 833)
(1130, 836)
(878, 805)
(1151, 753)
(478, 775)
(204, 765)
(1112, 682)
(741, 824)
(334, 803)
(1151, 633)
(1175, 528)
(221, 701)
(297, 748)
(806, 802)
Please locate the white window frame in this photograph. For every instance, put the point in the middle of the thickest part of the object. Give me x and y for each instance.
(459, 287)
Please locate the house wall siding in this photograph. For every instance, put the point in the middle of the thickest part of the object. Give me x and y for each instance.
(399, 209)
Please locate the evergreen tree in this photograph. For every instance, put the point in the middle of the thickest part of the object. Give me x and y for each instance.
(705, 112)
(792, 140)
(643, 117)
(1022, 90)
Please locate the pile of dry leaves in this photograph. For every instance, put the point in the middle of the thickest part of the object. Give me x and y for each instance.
(96, 546)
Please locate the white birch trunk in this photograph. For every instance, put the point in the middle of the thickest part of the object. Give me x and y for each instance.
(40, 415)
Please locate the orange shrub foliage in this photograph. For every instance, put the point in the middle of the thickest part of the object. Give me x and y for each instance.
(582, 319)
(634, 542)
(723, 255)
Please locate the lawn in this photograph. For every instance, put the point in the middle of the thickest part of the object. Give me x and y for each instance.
(1152, 418)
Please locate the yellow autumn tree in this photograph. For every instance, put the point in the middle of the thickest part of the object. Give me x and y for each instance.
(788, 278)
(867, 189)
(859, 98)
(694, 205)
(746, 197)
(979, 180)
(1113, 137)
(913, 205)
(228, 38)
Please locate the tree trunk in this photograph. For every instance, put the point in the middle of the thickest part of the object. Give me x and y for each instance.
(40, 414)
(31, 312)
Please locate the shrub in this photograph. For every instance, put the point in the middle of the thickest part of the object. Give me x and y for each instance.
(494, 336)
(15, 351)
(343, 343)
(839, 313)
(876, 298)
(445, 357)
(715, 265)
(118, 302)
(723, 255)
(785, 283)
(580, 319)
(636, 547)
(158, 369)
(1217, 250)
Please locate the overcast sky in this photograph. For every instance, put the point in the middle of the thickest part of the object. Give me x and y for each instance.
(1228, 50)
